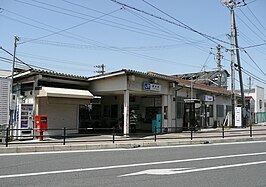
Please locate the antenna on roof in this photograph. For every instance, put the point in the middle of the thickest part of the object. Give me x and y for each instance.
(101, 69)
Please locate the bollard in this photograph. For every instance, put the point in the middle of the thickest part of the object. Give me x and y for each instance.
(41, 135)
(7, 133)
(191, 133)
(113, 134)
(64, 136)
(155, 132)
(223, 131)
(250, 130)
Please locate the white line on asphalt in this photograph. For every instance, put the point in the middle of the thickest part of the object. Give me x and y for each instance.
(128, 149)
(128, 165)
(182, 170)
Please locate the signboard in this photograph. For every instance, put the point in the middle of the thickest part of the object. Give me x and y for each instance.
(208, 98)
(151, 87)
(238, 116)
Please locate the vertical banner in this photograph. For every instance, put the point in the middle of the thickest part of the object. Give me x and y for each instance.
(238, 117)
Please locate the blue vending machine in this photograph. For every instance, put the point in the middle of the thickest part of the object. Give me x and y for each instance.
(158, 123)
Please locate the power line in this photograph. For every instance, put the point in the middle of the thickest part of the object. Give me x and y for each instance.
(252, 23)
(256, 18)
(179, 24)
(253, 76)
(15, 57)
(72, 27)
(120, 26)
(252, 46)
(115, 49)
(163, 29)
(255, 63)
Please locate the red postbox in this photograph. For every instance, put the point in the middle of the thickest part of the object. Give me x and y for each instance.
(41, 124)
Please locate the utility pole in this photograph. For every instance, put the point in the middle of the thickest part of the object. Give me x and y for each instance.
(101, 69)
(11, 110)
(233, 97)
(249, 84)
(231, 4)
(219, 65)
(240, 77)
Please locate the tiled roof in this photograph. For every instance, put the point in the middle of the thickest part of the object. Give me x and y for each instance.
(128, 71)
(54, 73)
(195, 85)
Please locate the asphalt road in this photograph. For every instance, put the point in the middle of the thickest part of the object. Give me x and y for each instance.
(232, 164)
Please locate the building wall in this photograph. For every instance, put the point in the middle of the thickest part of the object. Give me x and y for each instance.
(109, 84)
(259, 101)
(4, 100)
(61, 114)
(258, 95)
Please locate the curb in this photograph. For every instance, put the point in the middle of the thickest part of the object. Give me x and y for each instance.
(74, 147)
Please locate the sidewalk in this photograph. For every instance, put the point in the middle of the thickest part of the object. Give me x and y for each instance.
(202, 136)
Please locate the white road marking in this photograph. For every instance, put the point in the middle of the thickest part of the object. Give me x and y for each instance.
(179, 171)
(155, 172)
(128, 149)
(128, 165)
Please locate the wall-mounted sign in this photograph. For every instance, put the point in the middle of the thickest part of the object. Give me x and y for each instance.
(151, 87)
(238, 116)
(208, 98)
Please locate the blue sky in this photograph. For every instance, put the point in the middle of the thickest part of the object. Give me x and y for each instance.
(74, 36)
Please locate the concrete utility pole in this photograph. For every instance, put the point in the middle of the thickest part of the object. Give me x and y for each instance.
(11, 113)
(231, 4)
(249, 84)
(219, 65)
(101, 69)
(233, 97)
(240, 77)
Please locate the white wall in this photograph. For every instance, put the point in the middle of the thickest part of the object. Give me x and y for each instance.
(60, 115)
(259, 101)
(257, 95)
(4, 100)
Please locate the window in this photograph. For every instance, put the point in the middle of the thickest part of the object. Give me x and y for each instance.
(220, 110)
(260, 103)
(228, 108)
(211, 110)
(179, 107)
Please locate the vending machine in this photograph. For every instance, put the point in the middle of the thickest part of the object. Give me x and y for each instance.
(24, 122)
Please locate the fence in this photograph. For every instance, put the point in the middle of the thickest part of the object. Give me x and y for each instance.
(114, 135)
(261, 117)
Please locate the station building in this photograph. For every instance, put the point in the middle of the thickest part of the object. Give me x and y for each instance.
(105, 101)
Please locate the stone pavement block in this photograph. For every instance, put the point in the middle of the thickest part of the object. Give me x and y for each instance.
(78, 147)
(8, 149)
(44, 148)
(26, 149)
(62, 147)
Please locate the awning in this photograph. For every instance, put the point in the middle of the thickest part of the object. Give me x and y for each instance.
(65, 93)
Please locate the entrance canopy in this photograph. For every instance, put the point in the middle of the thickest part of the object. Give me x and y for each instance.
(65, 93)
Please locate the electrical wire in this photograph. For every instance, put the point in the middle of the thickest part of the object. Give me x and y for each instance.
(211, 38)
(252, 23)
(107, 22)
(112, 48)
(255, 63)
(256, 18)
(72, 27)
(15, 57)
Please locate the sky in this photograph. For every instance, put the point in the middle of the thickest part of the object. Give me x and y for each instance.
(167, 36)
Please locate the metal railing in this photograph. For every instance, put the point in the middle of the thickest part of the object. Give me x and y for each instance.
(63, 135)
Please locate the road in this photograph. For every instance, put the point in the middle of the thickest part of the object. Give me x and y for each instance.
(228, 164)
